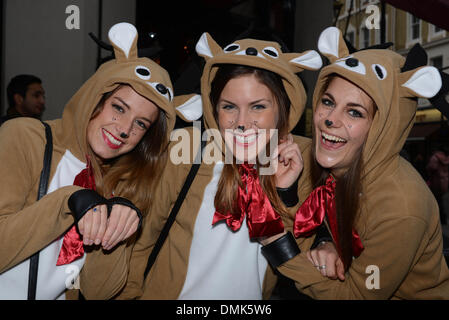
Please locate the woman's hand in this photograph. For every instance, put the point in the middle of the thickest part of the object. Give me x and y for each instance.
(96, 228)
(325, 258)
(289, 162)
(122, 223)
(92, 225)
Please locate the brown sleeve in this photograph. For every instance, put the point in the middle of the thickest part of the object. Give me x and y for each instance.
(27, 226)
(104, 273)
(393, 252)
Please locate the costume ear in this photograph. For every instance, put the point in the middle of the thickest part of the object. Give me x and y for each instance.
(123, 37)
(332, 45)
(310, 60)
(207, 47)
(424, 82)
(439, 100)
(416, 57)
(189, 107)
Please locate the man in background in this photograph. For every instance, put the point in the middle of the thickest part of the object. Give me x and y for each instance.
(26, 97)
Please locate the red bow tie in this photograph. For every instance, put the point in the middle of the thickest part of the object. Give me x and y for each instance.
(72, 245)
(261, 219)
(310, 215)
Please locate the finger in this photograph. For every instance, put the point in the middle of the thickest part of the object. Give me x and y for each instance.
(309, 256)
(103, 223)
(96, 221)
(292, 147)
(314, 256)
(322, 267)
(120, 213)
(279, 149)
(322, 263)
(132, 229)
(81, 226)
(87, 227)
(110, 227)
(130, 218)
(331, 266)
(340, 270)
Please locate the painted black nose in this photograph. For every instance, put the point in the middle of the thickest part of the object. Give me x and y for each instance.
(251, 51)
(352, 62)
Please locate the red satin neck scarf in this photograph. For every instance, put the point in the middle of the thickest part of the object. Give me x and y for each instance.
(310, 215)
(72, 245)
(261, 219)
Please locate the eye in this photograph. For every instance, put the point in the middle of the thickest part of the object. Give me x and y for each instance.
(143, 72)
(354, 113)
(141, 124)
(327, 102)
(227, 107)
(271, 52)
(231, 47)
(380, 71)
(118, 108)
(259, 107)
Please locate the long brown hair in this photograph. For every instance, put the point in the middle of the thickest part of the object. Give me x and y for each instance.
(348, 192)
(133, 175)
(225, 198)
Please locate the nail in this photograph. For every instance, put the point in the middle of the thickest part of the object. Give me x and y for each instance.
(97, 241)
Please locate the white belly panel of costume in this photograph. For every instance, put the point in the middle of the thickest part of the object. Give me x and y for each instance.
(223, 264)
(52, 280)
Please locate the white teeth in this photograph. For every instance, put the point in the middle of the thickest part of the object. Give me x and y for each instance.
(112, 139)
(331, 138)
(245, 139)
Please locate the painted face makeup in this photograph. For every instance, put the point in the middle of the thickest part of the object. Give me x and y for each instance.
(247, 110)
(118, 128)
(342, 120)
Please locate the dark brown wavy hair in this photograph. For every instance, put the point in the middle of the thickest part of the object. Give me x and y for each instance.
(225, 198)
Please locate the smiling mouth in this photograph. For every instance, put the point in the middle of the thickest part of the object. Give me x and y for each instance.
(110, 140)
(245, 139)
(332, 141)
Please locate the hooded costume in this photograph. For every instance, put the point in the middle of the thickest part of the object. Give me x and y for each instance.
(27, 226)
(200, 260)
(398, 221)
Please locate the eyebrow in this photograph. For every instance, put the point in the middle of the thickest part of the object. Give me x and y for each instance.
(126, 105)
(252, 102)
(350, 104)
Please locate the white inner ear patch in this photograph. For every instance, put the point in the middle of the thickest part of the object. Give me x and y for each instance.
(202, 46)
(311, 60)
(192, 109)
(231, 47)
(123, 35)
(272, 52)
(329, 41)
(425, 82)
(379, 71)
(143, 72)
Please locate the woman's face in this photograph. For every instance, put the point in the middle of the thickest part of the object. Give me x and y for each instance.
(342, 120)
(247, 110)
(118, 128)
